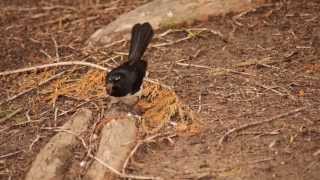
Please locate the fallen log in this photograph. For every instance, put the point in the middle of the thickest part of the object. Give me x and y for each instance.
(118, 136)
(168, 13)
(53, 160)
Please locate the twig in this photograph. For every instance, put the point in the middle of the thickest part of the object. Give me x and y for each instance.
(60, 19)
(110, 59)
(56, 48)
(223, 138)
(266, 87)
(134, 150)
(200, 103)
(193, 65)
(214, 69)
(261, 160)
(4, 129)
(189, 36)
(168, 32)
(316, 153)
(158, 83)
(122, 175)
(269, 66)
(114, 43)
(10, 154)
(73, 133)
(192, 29)
(30, 89)
(171, 42)
(27, 115)
(87, 19)
(25, 122)
(48, 8)
(73, 109)
(10, 115)
(67, 63)
(55, 116)
(46, 54)
(34, 141)
(271, 88)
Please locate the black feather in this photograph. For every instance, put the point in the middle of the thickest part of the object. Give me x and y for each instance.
(141, 36)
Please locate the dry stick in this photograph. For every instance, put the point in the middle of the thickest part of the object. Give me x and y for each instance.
(189, 36)
(87, 19)
(158, 83)
(110, 59)
(67, 63)
(114, 43)
(269, 88)
(194, 65)
(60, 19)
(133, 151)
(24, 123)
(73, 109)
(172, 42)
(200, 103)
(48, 8)
(56, 48)
(10, 154)
(46, 54)
(218, 33)
(55, 116)
(34, 141)
(10, 115)
(121, 174)
(263, 86)
(223, 138)
(221, 71)
(30, 89)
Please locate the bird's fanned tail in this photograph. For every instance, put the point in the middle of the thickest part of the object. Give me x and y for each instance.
(141, 36)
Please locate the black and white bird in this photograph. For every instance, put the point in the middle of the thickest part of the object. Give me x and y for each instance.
(124, 83)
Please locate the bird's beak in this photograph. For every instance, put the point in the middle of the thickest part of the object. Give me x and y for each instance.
(109, 88)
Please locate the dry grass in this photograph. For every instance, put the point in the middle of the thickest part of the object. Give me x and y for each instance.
(162, 107)
(91, 85)
(81, 87)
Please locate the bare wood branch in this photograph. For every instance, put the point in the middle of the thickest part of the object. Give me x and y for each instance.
(136, 147)
(9, 154)
(121, 174)
(67, 63)
(223, 138)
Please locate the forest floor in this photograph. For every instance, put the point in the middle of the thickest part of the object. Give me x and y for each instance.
(263, 67)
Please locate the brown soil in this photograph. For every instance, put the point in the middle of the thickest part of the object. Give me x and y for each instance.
(288, 33)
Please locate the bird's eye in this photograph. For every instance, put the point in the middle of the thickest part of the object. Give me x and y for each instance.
(116, 78)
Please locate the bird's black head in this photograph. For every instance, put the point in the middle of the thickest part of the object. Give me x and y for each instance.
(119, 82)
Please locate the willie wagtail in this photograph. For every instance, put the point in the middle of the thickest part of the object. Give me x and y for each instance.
(124, 82)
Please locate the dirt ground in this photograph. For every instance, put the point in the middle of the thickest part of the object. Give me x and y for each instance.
(266, 63)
